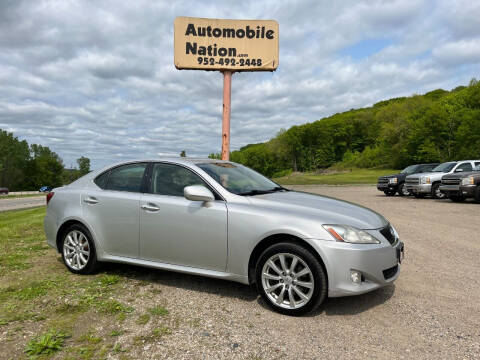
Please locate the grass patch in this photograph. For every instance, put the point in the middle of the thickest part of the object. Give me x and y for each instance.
(112, 307)
(143, 319)
(21, 196)
(158, 311)
(46, 344)
(341, 177)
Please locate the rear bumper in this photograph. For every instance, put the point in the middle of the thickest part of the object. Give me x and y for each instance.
(378, 265)
(419, 188)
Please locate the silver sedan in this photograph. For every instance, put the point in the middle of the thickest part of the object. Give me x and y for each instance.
(221, 219)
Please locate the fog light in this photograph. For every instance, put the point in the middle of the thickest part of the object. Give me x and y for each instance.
(356, 276)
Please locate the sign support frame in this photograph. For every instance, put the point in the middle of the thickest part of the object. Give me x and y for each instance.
(227, 96)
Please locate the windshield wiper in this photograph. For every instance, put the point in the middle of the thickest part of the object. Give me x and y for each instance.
(261, 192)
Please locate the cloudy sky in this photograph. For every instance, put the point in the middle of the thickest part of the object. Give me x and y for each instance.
(96, 78)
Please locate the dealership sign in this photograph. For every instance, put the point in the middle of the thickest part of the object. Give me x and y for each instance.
(233, 45)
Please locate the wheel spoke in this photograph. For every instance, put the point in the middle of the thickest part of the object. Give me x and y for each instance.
(304, 284)
(281, 296)
(304, 271)
(271, 277)
(84, 260)
(293, 264)
(282, 262)
(301, 294)
(291, 298)
(274, 267)
(84, 252)
(273, 288)
(69, 247)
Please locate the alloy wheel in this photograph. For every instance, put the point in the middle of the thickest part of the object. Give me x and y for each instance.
(76, 250)
(287, 281)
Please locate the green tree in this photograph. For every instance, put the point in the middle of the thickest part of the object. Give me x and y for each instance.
(183, 153)
(83, 165)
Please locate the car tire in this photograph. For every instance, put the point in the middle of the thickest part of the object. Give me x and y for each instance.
(477, 195)
(78, 250)
(456, 198)
(436, 193)
(419, 196)
(389, 192)
(402, 190)
(290, 279)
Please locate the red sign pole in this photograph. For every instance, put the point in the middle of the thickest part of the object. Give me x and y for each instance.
(227, 91)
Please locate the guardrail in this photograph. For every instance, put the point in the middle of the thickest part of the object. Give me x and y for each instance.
(24, 193)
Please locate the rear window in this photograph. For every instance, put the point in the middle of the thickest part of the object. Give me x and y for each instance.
(101, 180)
(126, 178)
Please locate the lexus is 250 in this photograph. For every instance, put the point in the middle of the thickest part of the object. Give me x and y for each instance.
(223, 220)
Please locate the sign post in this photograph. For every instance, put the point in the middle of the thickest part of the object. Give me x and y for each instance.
(227, 90)
(228, 46)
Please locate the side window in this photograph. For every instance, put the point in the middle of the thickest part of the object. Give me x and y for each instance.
(465, 167)
(477, 163)
(168, 179)
(101, 180)
(126, 178)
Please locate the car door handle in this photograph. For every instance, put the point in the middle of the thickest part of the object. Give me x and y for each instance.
(150, 207)
(90, 200)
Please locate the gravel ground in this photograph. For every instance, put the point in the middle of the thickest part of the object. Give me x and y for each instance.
(432, 311)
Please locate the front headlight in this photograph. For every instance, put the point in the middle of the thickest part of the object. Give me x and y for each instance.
(349, 234)
(468, 181)
(425, 180)
(393, 180)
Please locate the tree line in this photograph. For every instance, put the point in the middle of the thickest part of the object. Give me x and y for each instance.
(29, 167)
(435, 127)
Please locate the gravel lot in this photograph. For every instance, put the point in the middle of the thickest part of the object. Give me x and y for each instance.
(432, 311)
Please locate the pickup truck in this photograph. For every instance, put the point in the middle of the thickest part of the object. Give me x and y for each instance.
(429, 183)
(458, 187)
(391, 184)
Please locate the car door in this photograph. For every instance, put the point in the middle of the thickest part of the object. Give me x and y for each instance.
(178, 231)
(113, 209)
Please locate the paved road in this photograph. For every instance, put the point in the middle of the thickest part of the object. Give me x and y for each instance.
(21, 203)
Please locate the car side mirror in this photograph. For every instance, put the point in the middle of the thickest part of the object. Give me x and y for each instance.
(459, 170)
(198, 193)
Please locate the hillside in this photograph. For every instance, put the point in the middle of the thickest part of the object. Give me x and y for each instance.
(437, 126)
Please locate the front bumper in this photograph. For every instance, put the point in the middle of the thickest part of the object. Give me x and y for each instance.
(420, 188)
(387, 187)
(378, 264)
(451, 190)
(468, 190)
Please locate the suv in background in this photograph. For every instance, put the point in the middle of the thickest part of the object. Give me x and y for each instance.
(3, 190)
(458, 187)
(390, 184)
(429, 183)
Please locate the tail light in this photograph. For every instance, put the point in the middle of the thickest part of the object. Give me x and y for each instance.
(50, 196)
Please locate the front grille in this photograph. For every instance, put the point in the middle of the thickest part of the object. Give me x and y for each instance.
(450, 181)
(387, 232)
(390, 272)
(412, 181)
(383, 181)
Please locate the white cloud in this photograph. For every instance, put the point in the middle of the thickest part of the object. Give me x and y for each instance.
(97, 78)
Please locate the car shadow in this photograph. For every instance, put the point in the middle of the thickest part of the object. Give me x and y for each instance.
(350, 305)
(198, 283)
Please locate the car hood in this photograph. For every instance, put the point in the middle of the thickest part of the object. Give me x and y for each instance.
(429, 174)
(328, 210)
(461, 175)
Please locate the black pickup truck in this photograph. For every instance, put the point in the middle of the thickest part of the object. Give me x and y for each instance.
(461, 186)
(390, 184)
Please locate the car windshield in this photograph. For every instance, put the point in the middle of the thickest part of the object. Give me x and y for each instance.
(239, 179)
(410, 169)
(445, 167)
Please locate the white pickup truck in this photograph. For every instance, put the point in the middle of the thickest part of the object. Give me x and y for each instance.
(428, 183)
